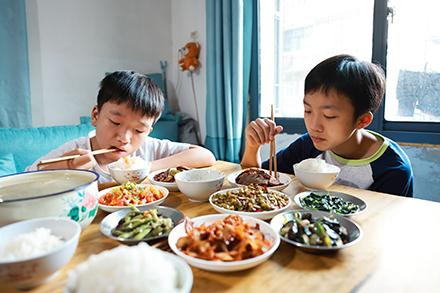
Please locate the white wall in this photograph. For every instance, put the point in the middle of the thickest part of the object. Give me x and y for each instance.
(73, 43)
(188, 16)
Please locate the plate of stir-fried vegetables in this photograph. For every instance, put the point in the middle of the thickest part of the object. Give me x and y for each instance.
(130, 195)
(223, 242)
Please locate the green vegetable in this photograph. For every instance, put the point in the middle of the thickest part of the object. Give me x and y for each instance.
(329, 203)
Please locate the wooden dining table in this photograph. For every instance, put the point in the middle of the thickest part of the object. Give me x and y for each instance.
(399, 251)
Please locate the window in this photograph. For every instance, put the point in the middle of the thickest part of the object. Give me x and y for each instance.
(403, 36)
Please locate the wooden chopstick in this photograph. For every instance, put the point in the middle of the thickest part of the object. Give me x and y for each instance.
(97, 152)
(273, 152)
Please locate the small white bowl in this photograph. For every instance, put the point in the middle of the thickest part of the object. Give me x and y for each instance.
(30, 272)
(283, 178)
(317, 180)
(122, 176)
(224, 266)
(266, 215)
(171, 186)
(199, 184)
(112, 209)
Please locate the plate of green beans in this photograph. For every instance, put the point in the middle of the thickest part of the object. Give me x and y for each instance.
(141, 224)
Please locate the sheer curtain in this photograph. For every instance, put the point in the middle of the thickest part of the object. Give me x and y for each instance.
(15, 109)
(228, 58)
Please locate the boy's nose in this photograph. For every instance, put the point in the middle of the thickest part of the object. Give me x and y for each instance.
(124, 136)
(316, 124)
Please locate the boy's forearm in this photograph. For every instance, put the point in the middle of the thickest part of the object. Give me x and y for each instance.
(194, 157)
(251, 157)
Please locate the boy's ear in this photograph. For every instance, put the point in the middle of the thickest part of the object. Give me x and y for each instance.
(364, 120)
(94, 115)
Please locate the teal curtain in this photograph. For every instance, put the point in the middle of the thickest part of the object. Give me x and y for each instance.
(228, 58)
(15, 109)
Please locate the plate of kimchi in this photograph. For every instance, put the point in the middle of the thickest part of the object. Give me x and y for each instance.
(224, 242)
(130, 195)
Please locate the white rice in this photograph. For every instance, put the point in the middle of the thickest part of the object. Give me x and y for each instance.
(314, 165)
(32, 244)
(132, 269)
(130, 163)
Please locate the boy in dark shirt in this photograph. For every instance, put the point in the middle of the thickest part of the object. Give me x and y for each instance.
(341, 94)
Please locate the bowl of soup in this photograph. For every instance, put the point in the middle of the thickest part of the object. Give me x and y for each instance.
(49, 193)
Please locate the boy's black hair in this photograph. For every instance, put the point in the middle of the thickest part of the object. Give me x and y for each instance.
(136, 89)
(362, 82)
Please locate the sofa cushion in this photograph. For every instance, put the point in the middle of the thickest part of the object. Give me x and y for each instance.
(7, 164)
(28, 144)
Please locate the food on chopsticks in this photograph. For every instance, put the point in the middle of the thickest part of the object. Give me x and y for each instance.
(321, 231)
(329, 203)
(252, 198)
(139, 225)
(229, 239)
(168, 175)
(257, 176)
(130, 194)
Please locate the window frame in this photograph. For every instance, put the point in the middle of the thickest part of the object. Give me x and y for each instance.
(407, 132)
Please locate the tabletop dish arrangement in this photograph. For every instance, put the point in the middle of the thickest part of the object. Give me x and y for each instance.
(131, 194)
(253, 200)
(316, 231)
(204, 243)
(32, 251)
(135, 269)
(49, 193)
(199, 184)
(259, 177)
(316, 173)
(329, 201)
(143, 224)
(165, 177)
(129, 169)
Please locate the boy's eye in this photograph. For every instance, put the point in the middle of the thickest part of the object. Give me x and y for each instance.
(114, 123)
(307, 111)
(329, 117)
(140, 131)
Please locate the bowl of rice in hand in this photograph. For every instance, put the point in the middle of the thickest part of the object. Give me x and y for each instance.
(134, 269)
(34, 250)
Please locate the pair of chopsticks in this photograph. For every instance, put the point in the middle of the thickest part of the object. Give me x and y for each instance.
(273, 152)
(54, 160)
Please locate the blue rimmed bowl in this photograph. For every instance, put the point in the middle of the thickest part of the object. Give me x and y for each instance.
(50, 193)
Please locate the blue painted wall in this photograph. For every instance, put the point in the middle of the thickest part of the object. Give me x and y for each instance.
(15, 109)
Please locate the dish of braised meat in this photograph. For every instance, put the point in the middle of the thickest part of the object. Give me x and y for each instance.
(257, 176)
(168, 175)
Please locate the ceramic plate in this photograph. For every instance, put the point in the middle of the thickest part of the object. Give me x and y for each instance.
(283, 178)
(112, 209)
(111, 221)
(353, 229)
(171, 186)
(350, 198)
(224, 266)
(266, 215)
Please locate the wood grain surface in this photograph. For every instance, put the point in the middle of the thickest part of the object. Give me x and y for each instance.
(399, 251)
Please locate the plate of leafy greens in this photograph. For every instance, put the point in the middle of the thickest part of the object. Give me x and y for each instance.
(329, 201)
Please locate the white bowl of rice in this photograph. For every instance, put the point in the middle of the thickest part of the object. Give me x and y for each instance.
(134, 269)
(316, 173)
(133, 169)
(32, 251)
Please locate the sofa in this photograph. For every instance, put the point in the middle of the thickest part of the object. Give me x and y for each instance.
(20, 147)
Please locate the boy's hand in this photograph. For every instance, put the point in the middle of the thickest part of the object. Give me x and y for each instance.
(84, 161)
(261, 131)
